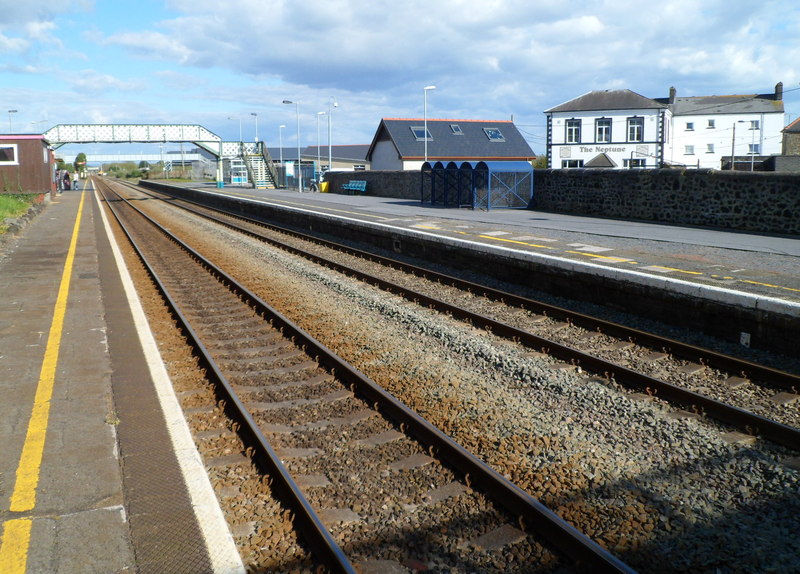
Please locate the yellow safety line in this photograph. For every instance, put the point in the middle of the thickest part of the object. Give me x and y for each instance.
(514, 241)
(769, 285)
(17, 532)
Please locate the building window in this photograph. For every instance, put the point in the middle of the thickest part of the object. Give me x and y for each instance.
(635, 129)
(689, 126)
(8, 154)
(711, 124)
(753, 149)
(494, 134)
(456, 129)
(570, 163)
(634, 163)
(603, 134)
(753, 124)
(689, 150)
(359, 167)
(421, 134)
(710, 148)
(573, 131)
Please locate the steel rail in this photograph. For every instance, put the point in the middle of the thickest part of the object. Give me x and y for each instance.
(741, 419)
(316, 534)
(733, 365)
(561, 534)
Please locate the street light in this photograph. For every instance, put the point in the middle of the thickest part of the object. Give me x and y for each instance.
(319, 167)
(240, 126)
(752, 146)
(9, 119)
(330, 151)
(425, 111)
(299, 170)
(255, 115)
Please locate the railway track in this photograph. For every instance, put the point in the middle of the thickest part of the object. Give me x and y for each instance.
(372, 484)
(755, 400)
(613, 483)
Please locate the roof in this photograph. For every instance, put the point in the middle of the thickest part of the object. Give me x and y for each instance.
(340, 152)
(737, 104)
(601, 160)
(454, 140)
(793, 128)
(608, 100)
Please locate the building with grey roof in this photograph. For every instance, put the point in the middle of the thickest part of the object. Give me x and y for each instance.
(399, 144)
(623, 129)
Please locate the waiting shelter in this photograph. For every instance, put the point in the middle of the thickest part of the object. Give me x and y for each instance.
(479, 184)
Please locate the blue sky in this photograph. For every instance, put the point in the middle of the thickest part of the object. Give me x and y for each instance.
(203, 62)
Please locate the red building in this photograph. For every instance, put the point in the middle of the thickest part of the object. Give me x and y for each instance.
(27, 164)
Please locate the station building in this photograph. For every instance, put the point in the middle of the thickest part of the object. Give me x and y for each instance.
(27, 164)
(622, 129)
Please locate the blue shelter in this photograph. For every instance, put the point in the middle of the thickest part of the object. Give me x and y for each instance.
(480, 184)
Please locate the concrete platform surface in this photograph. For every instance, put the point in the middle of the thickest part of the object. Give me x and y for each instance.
(79, 377)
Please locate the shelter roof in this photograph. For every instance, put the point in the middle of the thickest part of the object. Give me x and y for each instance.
(456, 139)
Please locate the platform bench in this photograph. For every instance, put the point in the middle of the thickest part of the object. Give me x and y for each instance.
(355, 186)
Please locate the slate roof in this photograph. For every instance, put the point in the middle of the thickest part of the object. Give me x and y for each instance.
(737, 104)
(445, 145)
(608, 100)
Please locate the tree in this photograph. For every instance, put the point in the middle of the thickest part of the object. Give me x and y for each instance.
(80, 162)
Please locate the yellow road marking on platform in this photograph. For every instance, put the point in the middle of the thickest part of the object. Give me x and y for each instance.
(607, 257)
(770, 285)
(677, 270)
(17, 533)
(515, 241)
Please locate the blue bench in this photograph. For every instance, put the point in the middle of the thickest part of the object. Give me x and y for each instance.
(355, 186)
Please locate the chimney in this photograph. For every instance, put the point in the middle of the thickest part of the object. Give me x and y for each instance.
(672, 93)
(779, 91)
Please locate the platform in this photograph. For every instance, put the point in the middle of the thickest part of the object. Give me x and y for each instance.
(98, 472)
(754, 265)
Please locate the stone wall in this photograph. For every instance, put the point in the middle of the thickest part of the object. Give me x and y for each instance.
(765, 202)
(747, 201)
(399, 184)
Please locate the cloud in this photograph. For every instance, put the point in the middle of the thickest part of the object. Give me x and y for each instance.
(150, 44)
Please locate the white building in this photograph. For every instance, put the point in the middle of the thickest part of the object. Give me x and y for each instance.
(622, 129)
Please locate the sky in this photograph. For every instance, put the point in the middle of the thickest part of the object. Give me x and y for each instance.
(216, 63)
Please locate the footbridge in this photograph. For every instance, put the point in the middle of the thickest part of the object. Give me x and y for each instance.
(254, 158)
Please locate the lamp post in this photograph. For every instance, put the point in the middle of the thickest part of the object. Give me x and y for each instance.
(9, 119)
(330, 150)
(425, 112)
(280, 151)
(240, 126)
(319, 167)
(255, 115)
(733, 144)
(299, 170)
(752, 146)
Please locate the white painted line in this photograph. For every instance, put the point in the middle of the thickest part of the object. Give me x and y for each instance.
(590, 248)
(496, 233)
(222, 550)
